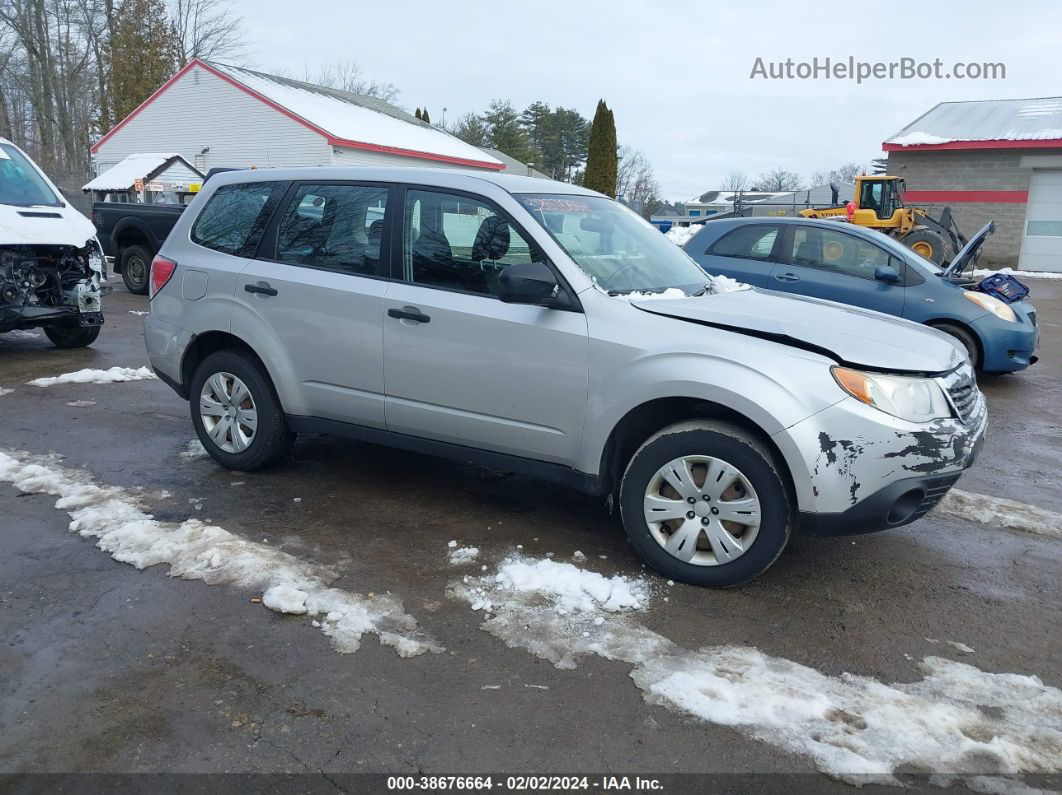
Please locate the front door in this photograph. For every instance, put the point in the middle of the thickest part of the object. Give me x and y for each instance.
(463, 367)
(838, 266)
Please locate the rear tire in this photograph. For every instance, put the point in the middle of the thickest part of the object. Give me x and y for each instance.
(71, 336)
(969, 342)
(752, 548)
(927, 243)
(136, 269)
(248, 449)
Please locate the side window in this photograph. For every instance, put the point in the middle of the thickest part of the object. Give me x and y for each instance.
(459, 243)
(334, 227)
(841, 253)
(748, 242)
(236, 216)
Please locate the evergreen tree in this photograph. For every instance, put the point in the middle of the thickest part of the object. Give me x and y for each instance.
(471, 129)
(506, 134)
(417, 114)
(601, 159)
(424, 116)
(141, 56)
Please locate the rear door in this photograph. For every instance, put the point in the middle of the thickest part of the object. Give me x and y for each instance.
(745, 253)
(315, 295)
(460, 365)
(838, 266)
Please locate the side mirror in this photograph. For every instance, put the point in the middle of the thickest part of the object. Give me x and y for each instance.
(886, 273)
(530, 283)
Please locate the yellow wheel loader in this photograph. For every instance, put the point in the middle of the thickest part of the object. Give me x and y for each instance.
(879, 205)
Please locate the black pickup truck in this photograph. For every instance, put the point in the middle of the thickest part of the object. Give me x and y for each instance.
(132, 233)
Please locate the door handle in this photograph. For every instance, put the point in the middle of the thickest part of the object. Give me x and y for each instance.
(409, 313)
(262, 288)
(787, 277)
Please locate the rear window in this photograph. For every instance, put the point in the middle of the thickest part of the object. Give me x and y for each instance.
(235, 217)
(748, 242)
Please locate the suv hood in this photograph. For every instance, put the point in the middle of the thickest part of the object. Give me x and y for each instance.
(44, 226)
(968, 253)
(846, 334)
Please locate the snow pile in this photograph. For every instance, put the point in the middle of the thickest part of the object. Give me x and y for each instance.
(4, 391)
(122, 175)
(670, 294)
(981, 273)
(918, 139)
(87, 376)
(459, 556)
(724, 284)
(570, 589)
(680, 235)
(999, 512)
(956, 719)
(954, 644)
(197, 551)
(193, 451)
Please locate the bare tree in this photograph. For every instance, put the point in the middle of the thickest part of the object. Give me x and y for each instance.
(207, 29)
(635, 179)
(348, 76)
(778, 180)
(735, 181)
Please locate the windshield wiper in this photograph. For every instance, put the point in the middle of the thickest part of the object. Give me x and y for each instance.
(703, 291)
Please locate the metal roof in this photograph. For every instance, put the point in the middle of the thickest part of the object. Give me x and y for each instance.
(983, 120)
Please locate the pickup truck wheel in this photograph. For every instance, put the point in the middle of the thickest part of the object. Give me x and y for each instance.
(71, 336)
(136, 269)
(236, 412)
(702, 502)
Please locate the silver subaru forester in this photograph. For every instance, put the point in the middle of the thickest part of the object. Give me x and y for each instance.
(538, 327)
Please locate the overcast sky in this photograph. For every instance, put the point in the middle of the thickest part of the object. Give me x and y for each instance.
(676, 74)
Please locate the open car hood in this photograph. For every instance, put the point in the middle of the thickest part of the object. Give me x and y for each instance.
(44, 226)
(968, 253)
(847, 334)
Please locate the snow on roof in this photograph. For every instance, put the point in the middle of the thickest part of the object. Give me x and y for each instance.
(354, 117)
(137, 166)
(985, 120)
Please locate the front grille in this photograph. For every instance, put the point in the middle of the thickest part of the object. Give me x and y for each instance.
(962, 389)
(936, 488)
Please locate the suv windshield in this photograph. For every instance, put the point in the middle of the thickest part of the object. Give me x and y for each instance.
(20, 182)
(620, 251)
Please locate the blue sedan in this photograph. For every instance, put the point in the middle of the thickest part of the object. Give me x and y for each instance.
(852, 265)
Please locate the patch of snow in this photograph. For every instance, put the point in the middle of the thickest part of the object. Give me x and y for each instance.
(918, 139)
(452, 544)
(197, 551)
(981, 273)
(4, 391)
(578, 556)
(1000, 512)
(19, 334)
(138, 312)
(954, 644)
(463, 555)
(724, 284)
(81, 404)
(88, 376)
(121, 176)
(956, 719)
(194, 450)
(680, 235)
(670, 294)
(285, 599)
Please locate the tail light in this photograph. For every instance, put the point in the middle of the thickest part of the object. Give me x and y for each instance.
(161, 271)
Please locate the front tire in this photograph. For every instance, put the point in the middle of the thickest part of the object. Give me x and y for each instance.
(136, 269)
(69, 335)
(969, 342)
(236, 412)
(703, 502)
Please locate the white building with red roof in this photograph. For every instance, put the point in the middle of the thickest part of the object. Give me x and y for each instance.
(216, 115)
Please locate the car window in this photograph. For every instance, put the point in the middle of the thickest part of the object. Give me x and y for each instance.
(460, 243)
(334, 227)
(748, 242)
(236, 216)
(835, 251)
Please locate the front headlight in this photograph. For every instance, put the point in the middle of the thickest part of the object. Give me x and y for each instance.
(991, 304)
(911, 398)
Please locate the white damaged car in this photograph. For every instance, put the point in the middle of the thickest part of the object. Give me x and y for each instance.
(51, 264)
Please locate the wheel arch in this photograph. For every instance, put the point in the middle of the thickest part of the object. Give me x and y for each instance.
(202, 345)
(937, 322)
(130, 232)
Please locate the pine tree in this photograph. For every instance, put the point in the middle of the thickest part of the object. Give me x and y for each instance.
(418, 114)
(506, 134)
(424, 115)
(141, 56)
(601, 159)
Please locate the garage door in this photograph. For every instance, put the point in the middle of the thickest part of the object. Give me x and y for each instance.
(1041, 249)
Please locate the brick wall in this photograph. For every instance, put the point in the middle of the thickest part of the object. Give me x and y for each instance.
(973, 169)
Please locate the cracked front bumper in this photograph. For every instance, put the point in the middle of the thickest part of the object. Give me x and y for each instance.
(866, 470)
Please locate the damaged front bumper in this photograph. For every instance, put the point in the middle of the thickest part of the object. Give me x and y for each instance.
(867, 470)
(42, 285)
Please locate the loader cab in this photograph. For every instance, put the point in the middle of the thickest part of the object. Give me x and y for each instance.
(881, 195)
